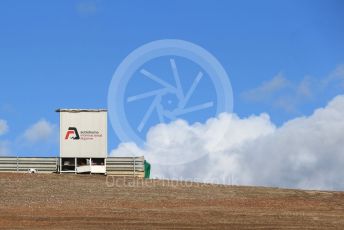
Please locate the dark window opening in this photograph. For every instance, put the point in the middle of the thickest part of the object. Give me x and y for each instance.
(83, 161)
(98, 161)
(68, 164)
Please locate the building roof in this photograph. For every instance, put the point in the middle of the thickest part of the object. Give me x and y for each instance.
(80, 110)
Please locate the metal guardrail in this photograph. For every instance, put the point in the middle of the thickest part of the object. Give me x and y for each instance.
(125, 166)
(117, 166)
(23, 164)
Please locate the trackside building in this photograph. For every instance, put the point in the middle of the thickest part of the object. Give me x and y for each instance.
(83, 140)
(83, 149)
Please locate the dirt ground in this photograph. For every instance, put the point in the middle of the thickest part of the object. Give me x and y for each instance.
(42, 201)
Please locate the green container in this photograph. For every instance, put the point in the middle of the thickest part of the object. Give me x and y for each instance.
(147, 169)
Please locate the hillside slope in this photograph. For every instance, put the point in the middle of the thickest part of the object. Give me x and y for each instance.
(93, 202)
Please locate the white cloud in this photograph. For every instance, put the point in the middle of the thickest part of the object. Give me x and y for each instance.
(289, 96)
(179, 142)
(335, 77)
(306, 152)
(267, 89)
(40, 131)
(4, 148)
(305, 87)
(87, 8)
(3, 127)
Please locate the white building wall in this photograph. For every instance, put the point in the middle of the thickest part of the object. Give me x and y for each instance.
(83, 134)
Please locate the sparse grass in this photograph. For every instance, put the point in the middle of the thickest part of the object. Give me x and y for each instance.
(88, 202)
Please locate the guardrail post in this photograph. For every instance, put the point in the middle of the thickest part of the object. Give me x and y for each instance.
(134, 166)
(17, 164)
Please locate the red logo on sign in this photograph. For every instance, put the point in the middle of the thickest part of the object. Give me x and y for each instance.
(72, 131)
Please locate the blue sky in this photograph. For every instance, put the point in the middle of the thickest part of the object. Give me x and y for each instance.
(283, 57)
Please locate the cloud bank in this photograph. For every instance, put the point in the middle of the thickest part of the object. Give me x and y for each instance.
(306, 152)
